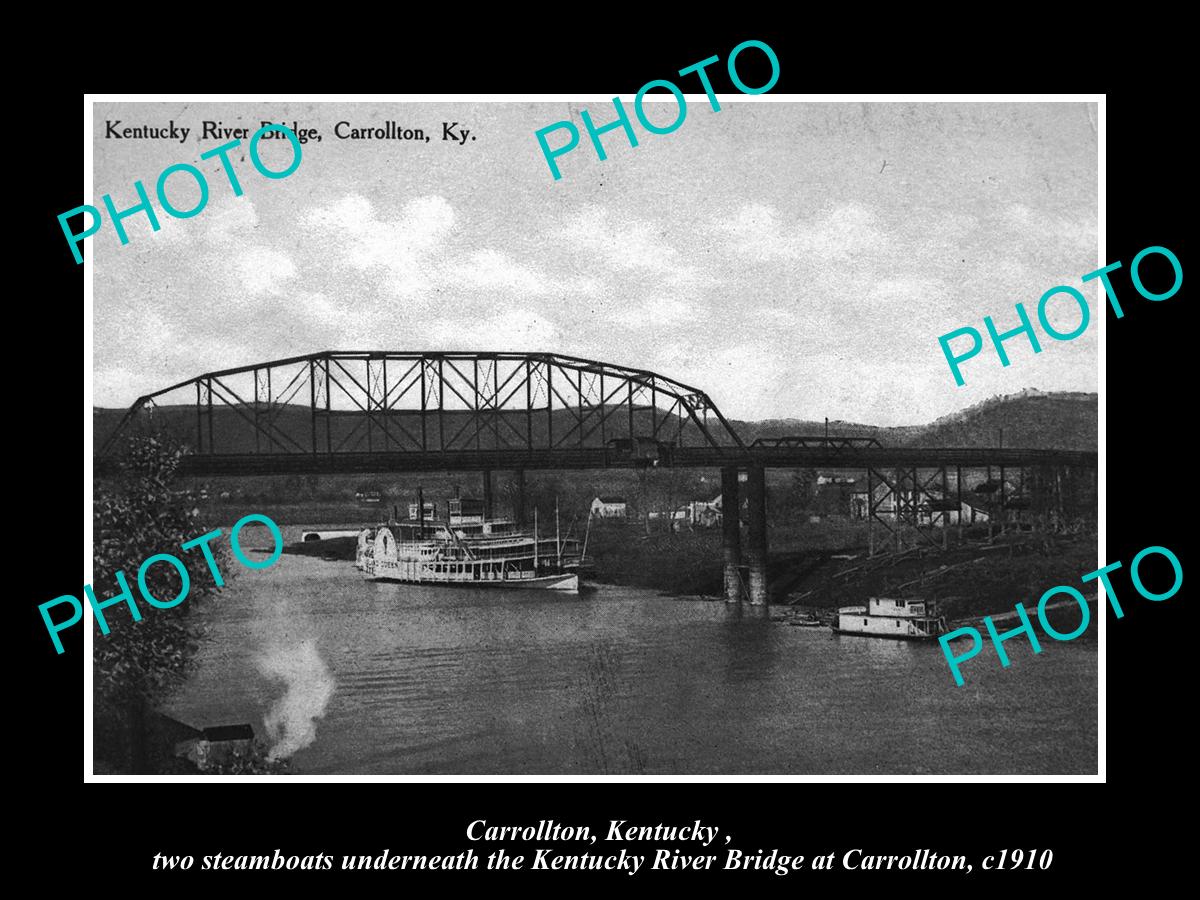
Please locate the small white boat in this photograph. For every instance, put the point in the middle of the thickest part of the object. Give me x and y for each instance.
(805, 621)
(911, 620)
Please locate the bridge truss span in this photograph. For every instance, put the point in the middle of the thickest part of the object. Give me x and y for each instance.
(418, 406)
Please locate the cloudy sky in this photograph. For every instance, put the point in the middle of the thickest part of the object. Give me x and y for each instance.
(788, 259)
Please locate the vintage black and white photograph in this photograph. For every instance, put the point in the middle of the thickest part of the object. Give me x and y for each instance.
(730, 450)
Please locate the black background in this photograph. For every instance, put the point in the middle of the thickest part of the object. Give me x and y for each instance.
(1126, 828)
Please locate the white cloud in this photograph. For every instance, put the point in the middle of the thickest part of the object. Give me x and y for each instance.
(760, 232)
(901, 293)
(657, 311)
(213, 223)
(741, 379)
(630, 246)
(492, 269)
(1078, 236)
(587, 286)
(513, 330)
(229, 220)
(414, 253)
(403, 246)
(259, 270)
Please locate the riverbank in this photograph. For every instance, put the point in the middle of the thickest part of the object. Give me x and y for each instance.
(969, 581)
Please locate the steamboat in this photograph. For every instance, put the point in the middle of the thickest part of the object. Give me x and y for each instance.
(469, 549)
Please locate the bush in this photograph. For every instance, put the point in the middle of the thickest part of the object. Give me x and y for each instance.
(139, 514)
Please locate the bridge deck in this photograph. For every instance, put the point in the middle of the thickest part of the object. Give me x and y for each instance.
(600, 458)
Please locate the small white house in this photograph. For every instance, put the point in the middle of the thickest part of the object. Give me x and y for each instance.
(705, 513)
(609, 508)
(834, 479)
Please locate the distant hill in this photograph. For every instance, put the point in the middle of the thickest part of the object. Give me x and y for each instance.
(772, 428)
(1029, 419)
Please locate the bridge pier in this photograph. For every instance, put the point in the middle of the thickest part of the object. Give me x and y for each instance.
(731, 534)
(756, 552)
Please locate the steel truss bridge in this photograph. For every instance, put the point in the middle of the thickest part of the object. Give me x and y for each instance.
(383, 411)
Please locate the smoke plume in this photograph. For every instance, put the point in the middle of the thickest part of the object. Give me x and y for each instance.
(292, 720)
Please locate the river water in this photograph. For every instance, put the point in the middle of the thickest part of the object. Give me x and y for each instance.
(353, 677)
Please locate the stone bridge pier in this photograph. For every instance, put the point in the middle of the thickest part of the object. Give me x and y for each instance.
(748, 580)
